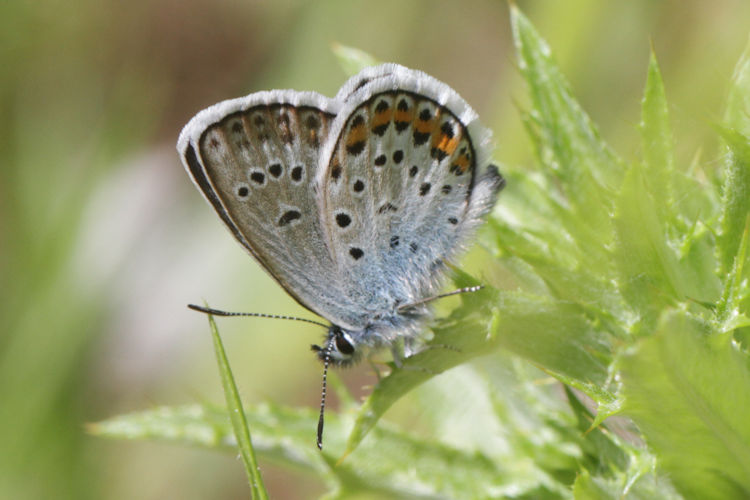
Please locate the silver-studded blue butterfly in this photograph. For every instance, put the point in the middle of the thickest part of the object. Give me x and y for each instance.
(353, 204)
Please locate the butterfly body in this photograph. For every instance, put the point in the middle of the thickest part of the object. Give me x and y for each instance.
(353, 204)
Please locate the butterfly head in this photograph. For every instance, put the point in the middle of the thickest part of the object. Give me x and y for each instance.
(340, 347)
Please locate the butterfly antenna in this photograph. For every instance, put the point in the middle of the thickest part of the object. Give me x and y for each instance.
(468, 289)
(217, 312)
(326, 361)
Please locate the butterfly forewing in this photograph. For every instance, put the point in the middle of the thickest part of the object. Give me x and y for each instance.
(256, 166)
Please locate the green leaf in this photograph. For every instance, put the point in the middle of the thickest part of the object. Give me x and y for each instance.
(280, 433)
(731, 311)
(736, 196)
(192, 425)
(736, 191)
(554, 334)
(656, 139)
(649, 274)
(352, 60)
(691, 397)
(394, 464)
(611, 468)
(737, 113)
(566, 139)
(646, 487)
(237, 417)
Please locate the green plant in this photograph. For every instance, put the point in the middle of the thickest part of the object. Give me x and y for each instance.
(626, 280)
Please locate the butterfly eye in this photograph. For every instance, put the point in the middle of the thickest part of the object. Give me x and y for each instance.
(342, 344)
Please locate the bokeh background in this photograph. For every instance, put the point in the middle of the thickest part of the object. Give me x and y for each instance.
(103, 239)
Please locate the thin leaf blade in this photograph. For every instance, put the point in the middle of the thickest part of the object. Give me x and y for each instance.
(237, 417)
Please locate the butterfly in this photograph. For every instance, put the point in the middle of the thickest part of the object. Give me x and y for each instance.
(355, 204)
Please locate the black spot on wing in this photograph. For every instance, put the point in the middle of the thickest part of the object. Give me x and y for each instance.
(336, 172)
(420, 137)
(438, 153)
(379, 130)
(297, 173)
(275, 170)
(258, 177)
(356, 148)
(289, 216)
(343, 220)
(447, 129)
(387, 207)
(312, 122)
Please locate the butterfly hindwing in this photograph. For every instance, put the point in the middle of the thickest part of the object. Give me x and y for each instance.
(401, 190)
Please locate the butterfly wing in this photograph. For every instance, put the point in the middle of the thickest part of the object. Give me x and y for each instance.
(406, 181)
(255, 159)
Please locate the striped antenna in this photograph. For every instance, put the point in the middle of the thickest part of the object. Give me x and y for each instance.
(326, 361)
(468, 289)
(217, 312)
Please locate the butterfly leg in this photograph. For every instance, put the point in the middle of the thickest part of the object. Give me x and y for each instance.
(374, 366)
(399, 349)
(447, 347)
(398, 352)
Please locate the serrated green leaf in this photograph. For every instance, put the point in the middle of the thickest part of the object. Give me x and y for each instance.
(736, 196)
(736, 191)
(690, 397)
(554, 334)
(393, 464)
(656, 140)
(732, 308)
(737, 113)
(567, 141)
(611, 468)
(192, 425)
(601, 454)
(648, 487)
(279, 433)
(649, 276)
(352, 60)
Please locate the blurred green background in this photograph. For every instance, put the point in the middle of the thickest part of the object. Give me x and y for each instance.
(103, 239)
